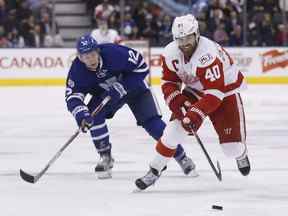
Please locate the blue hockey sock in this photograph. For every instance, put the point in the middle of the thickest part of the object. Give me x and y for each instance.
(180, 153)
(155, 127)
(103, 146)
(100, 136)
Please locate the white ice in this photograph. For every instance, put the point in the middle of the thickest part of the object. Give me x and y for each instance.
(34, 124)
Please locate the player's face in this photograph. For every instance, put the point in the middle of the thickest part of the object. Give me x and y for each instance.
(91, 59)
(187, 44)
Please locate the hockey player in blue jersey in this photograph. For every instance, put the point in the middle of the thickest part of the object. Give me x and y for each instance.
(117, 71)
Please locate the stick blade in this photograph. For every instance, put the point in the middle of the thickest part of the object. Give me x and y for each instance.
(27, 177)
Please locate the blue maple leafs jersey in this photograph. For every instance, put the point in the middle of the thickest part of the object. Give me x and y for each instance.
(117, 64)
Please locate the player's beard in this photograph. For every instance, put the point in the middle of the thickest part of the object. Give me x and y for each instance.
(188, 50)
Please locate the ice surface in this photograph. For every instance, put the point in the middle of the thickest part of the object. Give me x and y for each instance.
(34, 124)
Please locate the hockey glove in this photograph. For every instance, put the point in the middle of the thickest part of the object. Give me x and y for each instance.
(177, 104)
(84, 120)
(116, 92)
(193, 119)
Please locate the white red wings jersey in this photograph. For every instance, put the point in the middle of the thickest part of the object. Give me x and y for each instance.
(209, 71)
(110, 36)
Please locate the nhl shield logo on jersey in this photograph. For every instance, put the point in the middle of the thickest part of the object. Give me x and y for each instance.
(205, 58)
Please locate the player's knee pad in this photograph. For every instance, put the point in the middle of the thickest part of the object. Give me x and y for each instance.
(234, 149)
(155, 127)
(173, 134)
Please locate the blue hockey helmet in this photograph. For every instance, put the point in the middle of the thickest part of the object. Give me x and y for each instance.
(86, 44)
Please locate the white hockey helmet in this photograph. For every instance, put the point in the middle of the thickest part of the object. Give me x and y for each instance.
(185, 25)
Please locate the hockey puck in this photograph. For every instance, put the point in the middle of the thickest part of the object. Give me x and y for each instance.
(217, 207)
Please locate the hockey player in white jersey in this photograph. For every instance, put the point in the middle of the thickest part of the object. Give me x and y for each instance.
(199, 79)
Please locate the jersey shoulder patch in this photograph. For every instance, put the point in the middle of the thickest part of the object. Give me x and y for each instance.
(206, 52)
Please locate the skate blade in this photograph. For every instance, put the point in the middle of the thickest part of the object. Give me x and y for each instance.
(104, 174)
(193, 173)
(137, 190)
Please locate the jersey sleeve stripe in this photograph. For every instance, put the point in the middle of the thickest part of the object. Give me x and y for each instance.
(140, 70)
(75, 95)
(215, 92)
(141, 63)
(78, 109)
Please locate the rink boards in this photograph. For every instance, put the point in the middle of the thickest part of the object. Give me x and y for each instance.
(50, 66)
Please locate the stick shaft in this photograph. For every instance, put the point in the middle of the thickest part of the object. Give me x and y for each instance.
(218, 172)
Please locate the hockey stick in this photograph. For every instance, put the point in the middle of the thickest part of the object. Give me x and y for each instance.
(217, 171)
(34, 178)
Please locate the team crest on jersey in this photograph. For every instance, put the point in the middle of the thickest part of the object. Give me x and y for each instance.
(101, 73)
(205, 58)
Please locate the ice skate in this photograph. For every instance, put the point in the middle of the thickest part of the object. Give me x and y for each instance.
(188, 166)
(149, 179)
(243, 165)
(104, 167)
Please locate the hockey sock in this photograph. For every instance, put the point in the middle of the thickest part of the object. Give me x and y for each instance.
(155, 127)
(180, 153)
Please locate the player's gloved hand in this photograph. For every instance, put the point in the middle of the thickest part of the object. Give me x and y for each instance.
(84, 120)
(192, 120)
(177, 104)
(116, 92)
